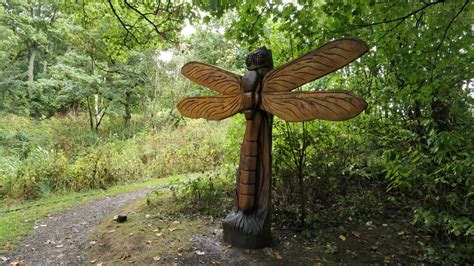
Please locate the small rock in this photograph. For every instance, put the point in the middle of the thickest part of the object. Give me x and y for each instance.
(121, 218)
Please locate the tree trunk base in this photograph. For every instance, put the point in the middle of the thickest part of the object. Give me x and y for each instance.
(247, 230)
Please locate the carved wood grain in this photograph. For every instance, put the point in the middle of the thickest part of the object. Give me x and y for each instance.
(212, 77)
(304, 106)
(313, 65)
(248, 164)
(210, 107)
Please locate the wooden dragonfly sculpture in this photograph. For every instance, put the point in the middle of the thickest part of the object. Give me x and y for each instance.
(259, 94)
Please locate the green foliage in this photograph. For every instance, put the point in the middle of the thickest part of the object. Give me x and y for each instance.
(210, 193)
(82, 66)
(72, 158)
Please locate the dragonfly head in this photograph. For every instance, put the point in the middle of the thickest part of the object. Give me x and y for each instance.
(262, 57)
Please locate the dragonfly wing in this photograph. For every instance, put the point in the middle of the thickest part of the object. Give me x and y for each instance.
(315, 64)
(210, 107)
(304, 106)
(212, 77)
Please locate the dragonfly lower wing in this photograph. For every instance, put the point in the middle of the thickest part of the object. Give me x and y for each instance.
(210, 107)
(304, 106)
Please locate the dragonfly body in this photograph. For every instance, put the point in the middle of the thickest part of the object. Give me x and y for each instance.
(258, 64)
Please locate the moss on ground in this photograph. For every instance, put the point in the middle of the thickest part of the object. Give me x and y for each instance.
(152, 233)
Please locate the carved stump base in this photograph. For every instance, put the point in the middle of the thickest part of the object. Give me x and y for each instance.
(247, 230)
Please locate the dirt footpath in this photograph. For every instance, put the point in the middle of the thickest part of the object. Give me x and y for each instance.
(61, 238)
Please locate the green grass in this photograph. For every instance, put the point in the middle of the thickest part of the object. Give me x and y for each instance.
(17, 218)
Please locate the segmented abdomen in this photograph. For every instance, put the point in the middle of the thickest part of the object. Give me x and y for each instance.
(248, 166)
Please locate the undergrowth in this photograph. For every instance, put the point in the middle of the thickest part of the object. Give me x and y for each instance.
(63, 154)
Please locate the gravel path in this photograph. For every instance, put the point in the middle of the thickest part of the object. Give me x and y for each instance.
(61, 238)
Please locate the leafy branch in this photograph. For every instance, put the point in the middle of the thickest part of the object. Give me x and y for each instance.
(449, 26)
(167, 12)
(399, 18)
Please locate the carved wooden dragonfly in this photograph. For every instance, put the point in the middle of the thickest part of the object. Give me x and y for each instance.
(261, 92)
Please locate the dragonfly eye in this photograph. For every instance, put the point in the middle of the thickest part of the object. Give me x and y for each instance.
(260, 58)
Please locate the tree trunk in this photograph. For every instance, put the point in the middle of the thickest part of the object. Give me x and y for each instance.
(128, 111)
(302, 194)
(31, 77)
(89, 109)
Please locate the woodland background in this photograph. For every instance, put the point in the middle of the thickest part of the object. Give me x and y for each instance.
(88, 95)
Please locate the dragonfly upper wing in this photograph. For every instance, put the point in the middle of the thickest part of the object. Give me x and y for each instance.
(304, 106)
(212, 77)
(210, 107)
(315, 64)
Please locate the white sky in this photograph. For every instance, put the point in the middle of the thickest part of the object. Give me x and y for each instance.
(188, 30)
(166, 56)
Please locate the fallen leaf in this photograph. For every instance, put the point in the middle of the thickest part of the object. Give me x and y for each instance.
(147, 216)
(176, 222)
(173, 229)
(93, 261)
(277, 255)
(159, 234)
(268, 251)
(342, 237)
(356, 234)
(99, 264)
(17, 262)
(200, 253)
(59, 246)
(68, 237)
(149, 242)
(92, 243)
(125, 256)
(156, 230)
(157, 258)
(111, 231)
